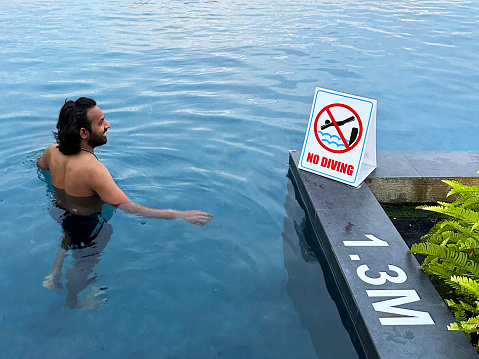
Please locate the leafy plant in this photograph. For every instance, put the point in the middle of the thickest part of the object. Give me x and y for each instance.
(452, 262)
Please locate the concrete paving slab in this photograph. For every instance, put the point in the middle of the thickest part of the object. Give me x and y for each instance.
(393, 164)
(454, 164)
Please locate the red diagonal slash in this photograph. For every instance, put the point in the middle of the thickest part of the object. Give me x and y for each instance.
(346, 144)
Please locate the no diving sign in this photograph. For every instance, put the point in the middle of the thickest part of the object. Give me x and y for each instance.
(340, 142)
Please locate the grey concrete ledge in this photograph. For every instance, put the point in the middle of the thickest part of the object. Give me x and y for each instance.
(416, 176)
(391, 305)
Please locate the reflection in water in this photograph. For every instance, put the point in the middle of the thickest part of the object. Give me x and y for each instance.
(86, 232)
(307, 287)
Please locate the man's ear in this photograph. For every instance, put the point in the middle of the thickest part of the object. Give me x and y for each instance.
(84, 133)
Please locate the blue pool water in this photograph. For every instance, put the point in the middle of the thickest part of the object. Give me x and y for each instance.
(205, 98)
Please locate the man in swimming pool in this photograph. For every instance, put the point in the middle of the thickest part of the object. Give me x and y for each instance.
(75, 168)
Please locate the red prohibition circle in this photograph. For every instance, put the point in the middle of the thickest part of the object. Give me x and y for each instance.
(348, 147)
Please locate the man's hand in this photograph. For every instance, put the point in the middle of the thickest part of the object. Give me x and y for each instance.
(199, 218)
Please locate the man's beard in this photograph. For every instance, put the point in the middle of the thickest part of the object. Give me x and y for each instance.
(96, 140)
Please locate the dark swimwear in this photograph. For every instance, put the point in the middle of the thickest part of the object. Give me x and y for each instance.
(81, 230)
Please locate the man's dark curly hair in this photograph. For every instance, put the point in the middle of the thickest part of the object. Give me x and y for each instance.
(71, 119)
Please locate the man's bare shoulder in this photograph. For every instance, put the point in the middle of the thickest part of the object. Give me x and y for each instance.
(53, 152)
(44, 160)
(101, 182)
(95, 168)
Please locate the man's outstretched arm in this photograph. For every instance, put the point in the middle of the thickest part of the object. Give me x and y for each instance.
(196, 217)
(104, 185)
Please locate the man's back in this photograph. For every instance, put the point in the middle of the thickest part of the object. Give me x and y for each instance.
(70, 173)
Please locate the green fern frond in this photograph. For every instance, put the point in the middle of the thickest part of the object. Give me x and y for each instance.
(453, 326)
(442, 226)
(467, 243)
(452, 257)
(460, 316)
(462, 306)
(442, 252)
(463, 240)
(460, 188)
(470, 308)
(444, 261)
(471, 325)
(440, 271)
(446, 236)
(438, 208)
(471, 202)
(468, 285)
(469, 216)
(451, 303)
(449, 225)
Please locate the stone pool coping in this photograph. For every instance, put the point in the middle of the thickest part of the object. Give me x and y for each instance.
(416, 176)
(396, 314)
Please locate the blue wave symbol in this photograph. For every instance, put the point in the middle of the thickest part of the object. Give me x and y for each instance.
(328, 134)
(331, 142)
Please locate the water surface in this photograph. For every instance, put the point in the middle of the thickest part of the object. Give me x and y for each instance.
(205, 98)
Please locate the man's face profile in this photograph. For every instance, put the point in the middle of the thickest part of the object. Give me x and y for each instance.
(99, 126)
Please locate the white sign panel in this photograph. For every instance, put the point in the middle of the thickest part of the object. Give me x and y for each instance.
(340, 142)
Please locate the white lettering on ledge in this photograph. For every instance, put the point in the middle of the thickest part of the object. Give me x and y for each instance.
(373, 242)
(410, 317)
